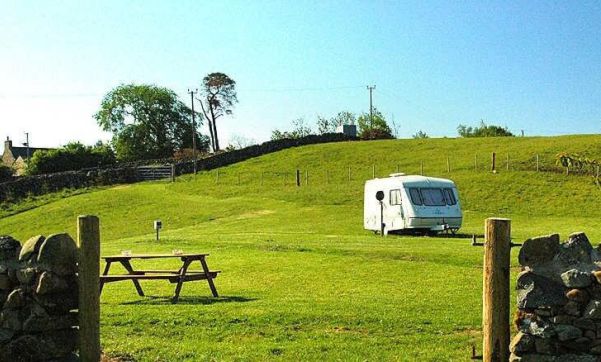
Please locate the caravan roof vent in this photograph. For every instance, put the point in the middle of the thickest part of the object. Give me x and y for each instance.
(398, 174)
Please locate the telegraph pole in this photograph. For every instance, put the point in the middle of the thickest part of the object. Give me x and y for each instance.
(371, 107)
(193, 128)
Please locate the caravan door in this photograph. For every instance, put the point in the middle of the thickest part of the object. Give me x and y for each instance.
(394, 211)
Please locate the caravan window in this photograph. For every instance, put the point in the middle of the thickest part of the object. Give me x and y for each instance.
(433, 197)
(450, 196)
(415, 196)
(395, 197)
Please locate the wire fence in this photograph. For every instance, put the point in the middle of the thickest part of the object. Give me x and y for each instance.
(441, 166)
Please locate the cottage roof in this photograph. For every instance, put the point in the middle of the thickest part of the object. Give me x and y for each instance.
(22, 151)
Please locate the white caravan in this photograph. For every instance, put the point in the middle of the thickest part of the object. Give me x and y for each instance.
(411, 202)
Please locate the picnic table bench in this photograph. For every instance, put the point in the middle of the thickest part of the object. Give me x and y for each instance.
(178, 277)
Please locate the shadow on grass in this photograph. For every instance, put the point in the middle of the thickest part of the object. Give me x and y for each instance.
(159, 300)
(443, 235)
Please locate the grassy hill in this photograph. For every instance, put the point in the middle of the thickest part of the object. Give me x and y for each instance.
(301, 278)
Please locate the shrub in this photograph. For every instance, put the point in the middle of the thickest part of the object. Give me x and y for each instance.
(73, 156)
(483, 130)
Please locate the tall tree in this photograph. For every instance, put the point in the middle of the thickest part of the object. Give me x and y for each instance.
(218, 99)
(146, 121)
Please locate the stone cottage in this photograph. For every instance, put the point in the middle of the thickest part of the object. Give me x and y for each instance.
(15, 157)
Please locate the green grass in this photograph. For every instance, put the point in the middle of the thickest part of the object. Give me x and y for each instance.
(301, 278)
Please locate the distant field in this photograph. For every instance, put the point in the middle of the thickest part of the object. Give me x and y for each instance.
(301, 279)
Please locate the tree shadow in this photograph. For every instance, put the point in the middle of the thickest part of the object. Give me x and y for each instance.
(166, 300)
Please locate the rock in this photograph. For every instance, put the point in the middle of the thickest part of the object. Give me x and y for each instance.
(593, 310)
(10, 319)
(58, 253)
(31, 247)
(544, 346)
(563, 319)
(49, 323)
(25, 275)
(597, 276)
(23, 348)
(49, 282)
(522, 343)
(577, 249)
(574, 278)
(572, 308)
(535, 291)
(539, 250)
(581, 344)
(544, 312)
(595, 291)
(575, 358)
(538, 328)
(15, 300)
(595, 350)
(5, 282)
(585, 323)
(533, 357)
(567, 332)
(6, 335)
(578, 295)
(58, 303)
(9, 248)
(590, 334)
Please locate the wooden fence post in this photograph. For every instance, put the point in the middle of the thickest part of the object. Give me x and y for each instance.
(349, 173)
(88, 241)
(448, 165)
(493, 166)
(172, 172)
(495, 294)
(537, 163)
(508, 162)
(298, 178)
(307, 177)
(373, 171)
(475, 162)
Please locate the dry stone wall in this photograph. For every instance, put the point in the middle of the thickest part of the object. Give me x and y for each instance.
(38, 299)
(559, 301)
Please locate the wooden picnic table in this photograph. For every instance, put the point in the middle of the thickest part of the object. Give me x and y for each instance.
(178, 277)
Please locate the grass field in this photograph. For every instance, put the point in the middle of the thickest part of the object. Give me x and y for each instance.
(301, 278)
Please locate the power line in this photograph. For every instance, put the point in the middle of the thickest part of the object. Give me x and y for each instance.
(292, 89)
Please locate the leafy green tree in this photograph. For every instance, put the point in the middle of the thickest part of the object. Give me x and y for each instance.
(147, 122)
(72, 156)
(374, 127)
(420, 135)
(218, 99)
(483, 130)
(299, 130)
(325, 125)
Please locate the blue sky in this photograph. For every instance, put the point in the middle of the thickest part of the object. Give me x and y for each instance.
(528, 65)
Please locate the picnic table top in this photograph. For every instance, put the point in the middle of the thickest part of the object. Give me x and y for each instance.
(154, 256)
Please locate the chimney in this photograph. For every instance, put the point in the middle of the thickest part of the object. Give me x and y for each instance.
(8, 144)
